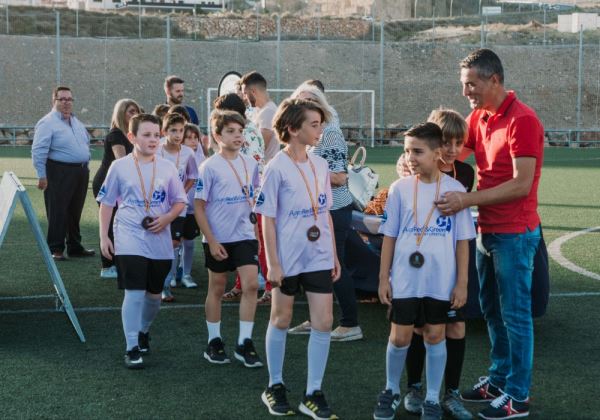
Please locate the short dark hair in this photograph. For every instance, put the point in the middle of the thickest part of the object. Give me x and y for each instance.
(231, 102)
(254, 78)
(160, 111)
(317, 83)
(172, 119)
(193, 128)
(219, 118)
(138, 119)
(181, 110)
(172, 80)
(58, 89)
(291, 114)
(486, 62)
(428, 132)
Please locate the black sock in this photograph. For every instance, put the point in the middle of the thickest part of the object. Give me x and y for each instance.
(415, 360)
(456, 355)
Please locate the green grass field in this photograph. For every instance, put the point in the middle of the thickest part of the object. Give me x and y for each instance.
(46, 372)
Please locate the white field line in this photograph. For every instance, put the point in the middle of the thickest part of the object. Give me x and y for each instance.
(556, 254)
(93, 309)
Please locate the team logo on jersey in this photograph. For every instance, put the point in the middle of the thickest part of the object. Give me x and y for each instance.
(322, 199)
(199, 185)
(260, 200)
(444, 222)
(159, 196)
(384, 217)
(102, 192)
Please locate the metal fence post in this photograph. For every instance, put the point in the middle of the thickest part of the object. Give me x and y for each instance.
(77, 23)
(7, 23)
(580, 83)
(278, 60)
(381, 74)
(140, 19)
(168, 49)
(318, 28)
(57, 48)
(544, 25)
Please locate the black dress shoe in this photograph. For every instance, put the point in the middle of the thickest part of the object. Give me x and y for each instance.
(83, 253)
(58, 256)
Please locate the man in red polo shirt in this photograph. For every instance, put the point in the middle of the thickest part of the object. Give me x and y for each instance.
(508, 139)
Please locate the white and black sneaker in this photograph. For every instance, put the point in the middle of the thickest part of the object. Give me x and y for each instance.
(246, 353)
(215, 352)
(133, 359)
(387, 404)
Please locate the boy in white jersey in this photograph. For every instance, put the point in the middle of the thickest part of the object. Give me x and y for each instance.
(184, 160)
(223, 209)
(424, 267)
(191, 139)
(294, 200)
(150, 196)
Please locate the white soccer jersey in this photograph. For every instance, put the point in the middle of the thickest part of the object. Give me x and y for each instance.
(185, 161)
(437, 277)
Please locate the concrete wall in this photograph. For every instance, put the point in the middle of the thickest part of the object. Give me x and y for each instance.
(418, 77)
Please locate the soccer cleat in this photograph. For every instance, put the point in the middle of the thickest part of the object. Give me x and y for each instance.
(234, 295)
(431, 411)
(346, 334)
(505, 407)
(144, 342)
(452, 406)
(482, 391)
(215, 352)
(303, 328)
(316, 406)
(167, 296)
(246, 353)
(413, 400)
(188, 281)
(133, 359)
(387, 404)
(275, 398)
(109, 273)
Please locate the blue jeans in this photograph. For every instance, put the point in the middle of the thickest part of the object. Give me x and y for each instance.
(505, 265)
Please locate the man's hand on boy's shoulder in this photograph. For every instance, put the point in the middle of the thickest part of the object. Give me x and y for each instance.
(452, 202)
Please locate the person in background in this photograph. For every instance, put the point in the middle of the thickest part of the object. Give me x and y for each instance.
(175, 91)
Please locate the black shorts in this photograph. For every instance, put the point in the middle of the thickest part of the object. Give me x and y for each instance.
(190, 227)
(140, 273)
(240, 253)
(177, 228)
(421, 311)
(315, 282)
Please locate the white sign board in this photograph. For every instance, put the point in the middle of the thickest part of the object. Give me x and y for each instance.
(9, 187)
(491, 10)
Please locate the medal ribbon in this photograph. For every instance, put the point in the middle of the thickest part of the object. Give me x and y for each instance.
(147, 199)
(245, 188)
(437, 196)
(313, 202)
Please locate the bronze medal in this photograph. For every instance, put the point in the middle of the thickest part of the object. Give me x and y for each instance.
(416, 259)
(313, 233)
(146, 222)
(253, 218)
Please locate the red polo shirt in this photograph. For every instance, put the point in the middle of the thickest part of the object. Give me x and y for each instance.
(513, 131)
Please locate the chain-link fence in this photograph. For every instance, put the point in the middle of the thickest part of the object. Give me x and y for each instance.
(412, 70)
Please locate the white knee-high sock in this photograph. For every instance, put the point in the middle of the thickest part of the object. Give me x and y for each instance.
(434, 369)
(149, 311)
(131, 315)
(318, 352)
(173, 270)
(187, 255)
(246, 328)
(275, 347)
(214, 330)
(394, 365)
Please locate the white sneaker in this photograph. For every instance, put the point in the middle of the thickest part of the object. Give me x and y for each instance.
(109, 273)
(303, 328)
(173, 282)
(188, 282)
(346, 334)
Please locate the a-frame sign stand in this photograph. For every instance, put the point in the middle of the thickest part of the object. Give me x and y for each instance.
(12, 190)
